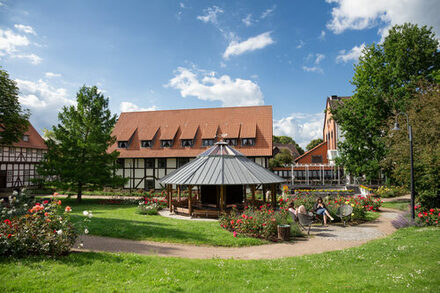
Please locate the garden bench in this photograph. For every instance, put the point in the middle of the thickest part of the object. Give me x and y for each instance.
(205, 213)
(344, 211)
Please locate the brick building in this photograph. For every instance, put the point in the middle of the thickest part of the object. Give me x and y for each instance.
(153, 143)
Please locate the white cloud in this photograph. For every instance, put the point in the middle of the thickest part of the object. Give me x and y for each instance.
(319, 58)
(130, 107)
(268, 12)
(300, 45)
(302, 127)
(211, 14)
(209, 87)
(10, 41)
(182, 5)
(363, 14)
(322, 35)
(352, 55)
(247, 20)
(27, 29)
(34, 59)
(43, 100)
(313, 69)
(51, 74)
(251, 44)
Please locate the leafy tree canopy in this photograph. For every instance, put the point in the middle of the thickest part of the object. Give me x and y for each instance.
(314, 143)
(77, 155)
(282, 159)
(385, 79)
(287, 140)
(13, 119)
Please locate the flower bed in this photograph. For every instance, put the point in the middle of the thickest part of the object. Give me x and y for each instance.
(258, 222)
(427, 217)
(151, 206)
(44, 229)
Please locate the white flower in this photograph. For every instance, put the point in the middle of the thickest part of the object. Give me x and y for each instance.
(59, 232)
(86, 231)
(81, 245)
(90, 215)
(15, 192)
(85, 213)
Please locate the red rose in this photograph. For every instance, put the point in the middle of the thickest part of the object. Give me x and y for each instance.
(420, 215)
(45, 202)
(8, 222)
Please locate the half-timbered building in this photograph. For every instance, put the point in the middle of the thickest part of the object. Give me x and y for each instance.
(19, 160)
(154, 143)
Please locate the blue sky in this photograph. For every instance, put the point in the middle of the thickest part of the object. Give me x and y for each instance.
(149, 55)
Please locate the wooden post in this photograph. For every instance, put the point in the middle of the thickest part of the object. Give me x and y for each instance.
(222, 197)
(253, 193)
(244, 194)
(170, 197)
(189, 200)
(178, 193)
(264, 193)
(274, 195)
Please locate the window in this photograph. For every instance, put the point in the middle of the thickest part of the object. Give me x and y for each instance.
(207, 142)
(231, 141)
(161, 163)
(182, 161)
(248, 141)
(316, 159)
(149, 163)
(149, 184)
(187, 142)
(120, 163)
(122, 144)
(26, 138)
(166, 143)
(146, 143)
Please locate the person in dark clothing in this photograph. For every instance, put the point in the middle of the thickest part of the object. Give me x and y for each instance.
(320, 209)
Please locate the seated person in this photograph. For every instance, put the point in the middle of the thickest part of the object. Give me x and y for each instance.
(320, 209)
(300, 210)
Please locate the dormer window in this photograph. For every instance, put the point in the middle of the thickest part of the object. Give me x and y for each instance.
(122, 144)
(146, 143)
(231, 141)
(248, 141)
(207, 142)
(187, 142)
(166, 143)
(26, 138)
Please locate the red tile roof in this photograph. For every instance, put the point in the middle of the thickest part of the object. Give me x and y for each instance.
(209, 123)
(35, 140)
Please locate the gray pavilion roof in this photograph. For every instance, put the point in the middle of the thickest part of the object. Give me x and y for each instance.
(221, 165)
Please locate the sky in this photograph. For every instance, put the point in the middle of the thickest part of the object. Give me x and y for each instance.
(160, 55)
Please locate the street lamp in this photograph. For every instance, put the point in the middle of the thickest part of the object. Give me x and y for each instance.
(396, 127)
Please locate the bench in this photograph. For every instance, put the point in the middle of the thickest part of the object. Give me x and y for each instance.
(205, 213)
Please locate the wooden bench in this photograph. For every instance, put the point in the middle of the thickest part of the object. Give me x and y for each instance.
(205, 213)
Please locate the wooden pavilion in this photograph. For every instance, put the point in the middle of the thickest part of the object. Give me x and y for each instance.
(221, 176)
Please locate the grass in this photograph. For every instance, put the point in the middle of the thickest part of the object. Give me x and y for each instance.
(123, 221)
(407, 261)
(398, 205)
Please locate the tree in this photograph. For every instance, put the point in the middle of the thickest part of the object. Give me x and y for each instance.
(385, 81)
(13, 119)
(287, 140)
(314, 143)
(77, 155)
(283, 158)
(424, 117)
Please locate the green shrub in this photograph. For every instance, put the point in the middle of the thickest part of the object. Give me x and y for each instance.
(18, 204)
(390, 191)
(151, 206)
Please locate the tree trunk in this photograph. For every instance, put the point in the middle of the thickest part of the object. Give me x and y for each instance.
(79, 195)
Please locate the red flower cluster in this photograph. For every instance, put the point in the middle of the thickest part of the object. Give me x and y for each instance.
(429, 217)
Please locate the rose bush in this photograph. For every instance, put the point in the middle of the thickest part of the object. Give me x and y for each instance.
(44, 229)
(258, 222)
(151, 206)
(427, 216)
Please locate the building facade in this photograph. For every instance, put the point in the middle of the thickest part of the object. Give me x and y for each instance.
(18, 161)
(153, 143)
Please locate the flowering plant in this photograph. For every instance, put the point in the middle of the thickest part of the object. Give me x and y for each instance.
(151, 206)
(427, 217)
(258, 222)
(44, 229)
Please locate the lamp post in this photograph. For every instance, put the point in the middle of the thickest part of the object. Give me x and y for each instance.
(396, 127)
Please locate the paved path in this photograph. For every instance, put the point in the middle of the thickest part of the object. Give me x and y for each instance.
(405, 197)
(324, 239)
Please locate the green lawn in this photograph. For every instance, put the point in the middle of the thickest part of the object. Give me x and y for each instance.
(123, 221)
(398, 205)
(407, 261)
